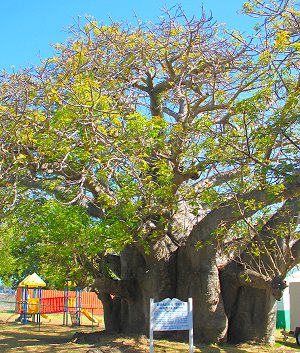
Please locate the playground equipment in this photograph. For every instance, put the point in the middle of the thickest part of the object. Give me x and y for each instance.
(31, 306)
(33, 303)
(89, 316)
(73, 307)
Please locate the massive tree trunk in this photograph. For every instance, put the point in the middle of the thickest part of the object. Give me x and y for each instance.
(168, 277)
(234, 302)
(251, 311)
(223, 308)
(253, 316)
(140, 279)
(198, 278)
(152, 279)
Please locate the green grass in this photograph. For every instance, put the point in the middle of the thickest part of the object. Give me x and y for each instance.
(15, 337)
(57, 319)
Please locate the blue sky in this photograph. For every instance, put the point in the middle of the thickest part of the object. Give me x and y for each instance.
(29, 27)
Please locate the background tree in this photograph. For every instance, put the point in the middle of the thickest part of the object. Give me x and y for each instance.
(57, 241)
(182, 140)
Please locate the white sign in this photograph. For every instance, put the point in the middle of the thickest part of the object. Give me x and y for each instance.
(171, 315)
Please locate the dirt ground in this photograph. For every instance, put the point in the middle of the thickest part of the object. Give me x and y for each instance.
(15, 337)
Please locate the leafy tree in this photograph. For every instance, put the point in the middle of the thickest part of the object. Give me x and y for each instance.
(182, 140)
(57, 241)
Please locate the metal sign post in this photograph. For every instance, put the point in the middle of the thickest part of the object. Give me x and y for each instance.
(171, 315)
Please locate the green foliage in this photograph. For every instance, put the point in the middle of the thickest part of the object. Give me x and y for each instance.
(52, 239)
(134, 122)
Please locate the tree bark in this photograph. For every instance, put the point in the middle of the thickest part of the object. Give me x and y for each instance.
(198, 278)
(225, 307)
(112, 312)
(249, 301)
(252, 316)
(152, 279)
(235, 303)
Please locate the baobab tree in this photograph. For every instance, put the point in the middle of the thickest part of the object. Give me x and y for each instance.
(182, 140)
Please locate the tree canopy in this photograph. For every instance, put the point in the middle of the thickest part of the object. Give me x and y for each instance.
(173, 136)
(56, 240)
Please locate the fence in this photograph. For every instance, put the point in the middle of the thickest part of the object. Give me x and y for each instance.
(54, 300)
(88, 318)
(52, 307)
(7, 302)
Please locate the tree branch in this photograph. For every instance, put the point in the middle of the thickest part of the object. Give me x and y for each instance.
(236, 208)
(121, 288)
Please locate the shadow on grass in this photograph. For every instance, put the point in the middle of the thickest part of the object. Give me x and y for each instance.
(224, 348)
(13, 336)
(141, 345)
(50, 339)
(290, 343)
(112, 342)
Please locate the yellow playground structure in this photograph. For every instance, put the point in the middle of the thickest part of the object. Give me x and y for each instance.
(35, 305)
